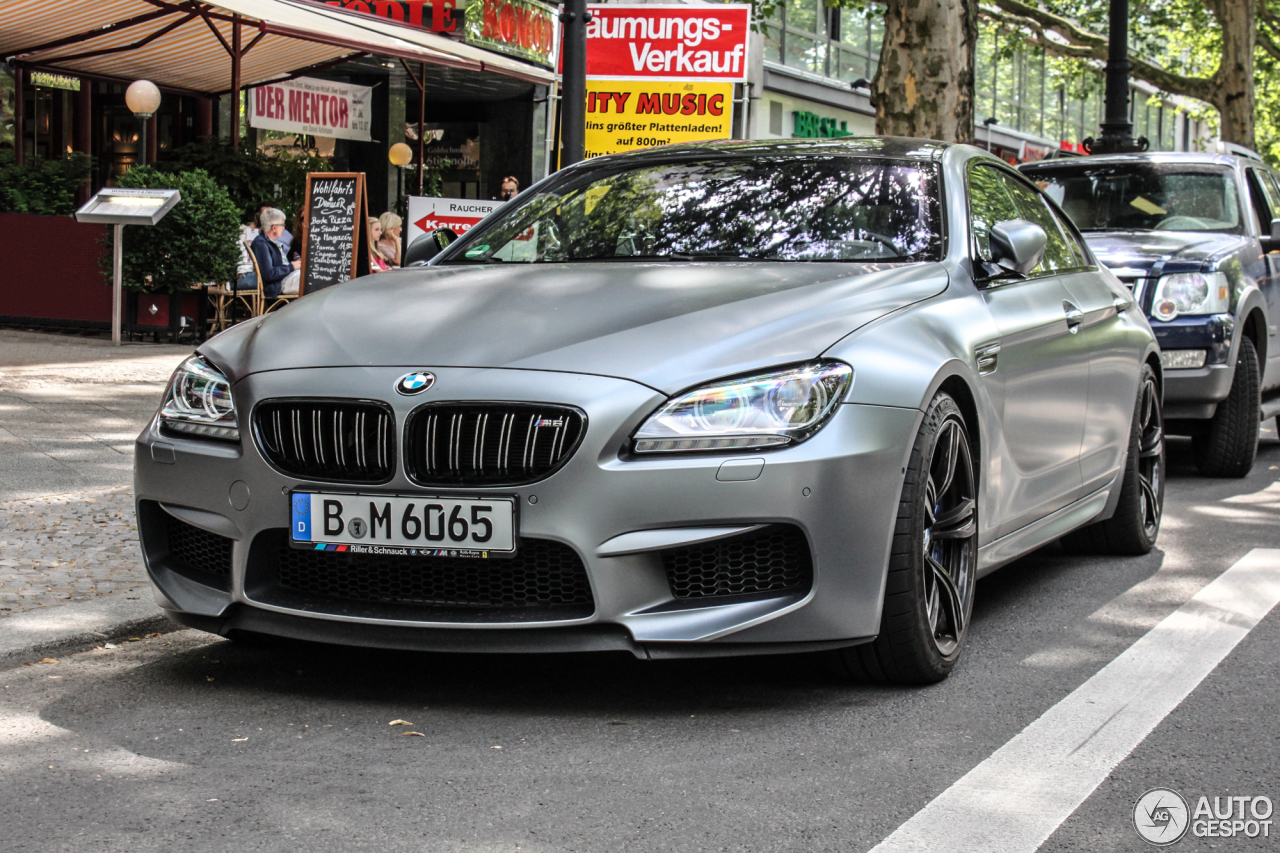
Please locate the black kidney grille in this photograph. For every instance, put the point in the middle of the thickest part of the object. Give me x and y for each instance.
(327, 439)
(542, 574)
(770, 560)
(489, 444)
(193, 548)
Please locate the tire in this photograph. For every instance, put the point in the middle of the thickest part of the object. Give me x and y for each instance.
(1229, 446)
(1132, 530)
(934, 559)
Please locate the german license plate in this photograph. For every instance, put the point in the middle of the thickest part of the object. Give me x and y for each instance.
(424, 526)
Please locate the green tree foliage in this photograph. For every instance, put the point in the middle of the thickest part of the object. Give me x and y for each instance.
(45, 187)
(250, 176)
(195, 242)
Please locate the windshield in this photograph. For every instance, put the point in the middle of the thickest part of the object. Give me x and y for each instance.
(1144, 196)
(728, 208)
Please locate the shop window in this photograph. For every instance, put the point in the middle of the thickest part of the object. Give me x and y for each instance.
(775, 118)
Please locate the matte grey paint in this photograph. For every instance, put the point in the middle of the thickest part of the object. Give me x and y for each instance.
(615, 339)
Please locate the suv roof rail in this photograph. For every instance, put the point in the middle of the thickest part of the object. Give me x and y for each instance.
(1238, 150)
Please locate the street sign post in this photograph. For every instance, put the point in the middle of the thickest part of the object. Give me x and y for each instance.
(118, 208)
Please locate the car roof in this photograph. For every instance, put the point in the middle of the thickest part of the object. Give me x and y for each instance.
(1185, 157)
(889, 147)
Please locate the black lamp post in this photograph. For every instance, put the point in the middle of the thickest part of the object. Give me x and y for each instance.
(573, 94)
(1117, 129)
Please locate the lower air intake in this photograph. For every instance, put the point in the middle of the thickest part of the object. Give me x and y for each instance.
(193, 549)
(775, 559)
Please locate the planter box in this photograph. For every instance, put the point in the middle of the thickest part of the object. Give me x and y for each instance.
(53, 272)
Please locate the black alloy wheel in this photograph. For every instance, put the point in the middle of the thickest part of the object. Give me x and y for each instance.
(933, 565)
(1132, 529)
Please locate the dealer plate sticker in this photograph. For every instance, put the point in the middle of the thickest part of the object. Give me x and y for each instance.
(424, 526)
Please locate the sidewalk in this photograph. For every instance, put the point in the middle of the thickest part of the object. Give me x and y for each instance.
(70, 408)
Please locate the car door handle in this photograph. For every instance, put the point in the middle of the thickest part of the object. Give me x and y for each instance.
(1121, 304)
(1074, 316)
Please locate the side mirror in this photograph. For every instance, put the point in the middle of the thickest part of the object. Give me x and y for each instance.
(1017, 245)
(1275, 230)
(427, 246)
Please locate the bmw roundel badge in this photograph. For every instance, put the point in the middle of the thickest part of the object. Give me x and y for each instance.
(415, 383)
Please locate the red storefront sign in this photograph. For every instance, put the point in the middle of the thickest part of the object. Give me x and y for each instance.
(434, 15)
(668, 42)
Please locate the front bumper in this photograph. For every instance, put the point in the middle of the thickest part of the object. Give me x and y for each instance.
(1195, 393)
(839, 489)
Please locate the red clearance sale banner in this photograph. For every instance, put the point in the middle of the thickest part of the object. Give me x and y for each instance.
(668, 42)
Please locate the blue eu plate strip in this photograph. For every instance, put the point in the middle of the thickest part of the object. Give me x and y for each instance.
(301, 517)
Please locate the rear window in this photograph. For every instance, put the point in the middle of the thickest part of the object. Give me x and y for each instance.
(1144, 196)
(753, 208)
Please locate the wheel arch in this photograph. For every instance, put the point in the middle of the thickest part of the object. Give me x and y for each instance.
(1255, 329)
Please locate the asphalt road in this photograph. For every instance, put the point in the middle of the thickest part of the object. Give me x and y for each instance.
(188, 742)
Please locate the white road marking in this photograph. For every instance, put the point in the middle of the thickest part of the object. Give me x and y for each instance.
(1013, 801)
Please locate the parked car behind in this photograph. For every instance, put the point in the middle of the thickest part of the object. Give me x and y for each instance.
(1193, 235)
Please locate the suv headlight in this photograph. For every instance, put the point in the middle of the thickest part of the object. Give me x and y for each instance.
(1191, 293)
(198, 401)
(769, 410)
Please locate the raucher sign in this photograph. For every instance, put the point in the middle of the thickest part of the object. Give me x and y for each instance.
(312, 107)
(428, 214)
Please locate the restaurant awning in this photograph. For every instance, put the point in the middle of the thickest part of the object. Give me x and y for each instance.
(190, 45)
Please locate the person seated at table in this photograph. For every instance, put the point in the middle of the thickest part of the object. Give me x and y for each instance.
(299, 239)
(280, 276)
(377, 262)
(286, 238)
(246, 278)
(389, 243)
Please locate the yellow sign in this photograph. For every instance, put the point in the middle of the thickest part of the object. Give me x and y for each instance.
(623, 115)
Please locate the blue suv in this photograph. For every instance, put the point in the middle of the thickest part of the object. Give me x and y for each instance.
(1193, 235)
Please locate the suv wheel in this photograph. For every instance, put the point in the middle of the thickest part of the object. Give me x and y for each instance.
(1228, 447)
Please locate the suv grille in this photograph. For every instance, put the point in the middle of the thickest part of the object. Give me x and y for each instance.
(337, 440)
(542, 574)
(770, 560)
(193, 548)
(489, 444)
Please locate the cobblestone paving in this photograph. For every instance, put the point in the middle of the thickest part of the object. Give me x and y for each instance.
(67, 548)
(69, 411)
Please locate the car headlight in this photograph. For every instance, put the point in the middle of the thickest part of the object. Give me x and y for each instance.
(1191, 293)
(769, 410)
(198, 402)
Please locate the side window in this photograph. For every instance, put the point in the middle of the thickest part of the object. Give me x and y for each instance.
(1271, 189)
(1073, 241)
(1262, 203)
(995, 196)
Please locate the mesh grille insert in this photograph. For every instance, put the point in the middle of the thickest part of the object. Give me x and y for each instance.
(335, 440)
(542, 574)
(770, 560)
(489, 444)
(193, 548)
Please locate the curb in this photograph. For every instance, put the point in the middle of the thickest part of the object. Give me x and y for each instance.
(78, 625)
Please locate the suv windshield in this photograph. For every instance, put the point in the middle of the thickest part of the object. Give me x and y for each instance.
(727, 208)
(1143, 196)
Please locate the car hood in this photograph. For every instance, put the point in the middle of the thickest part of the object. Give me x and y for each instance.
(1183, 251)
(666, 325)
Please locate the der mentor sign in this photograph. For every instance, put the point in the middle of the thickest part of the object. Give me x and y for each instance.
(312, 107)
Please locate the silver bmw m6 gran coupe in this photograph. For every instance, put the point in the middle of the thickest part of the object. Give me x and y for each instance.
(714, 399)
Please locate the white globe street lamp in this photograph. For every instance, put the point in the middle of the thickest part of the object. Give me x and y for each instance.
(143, 99)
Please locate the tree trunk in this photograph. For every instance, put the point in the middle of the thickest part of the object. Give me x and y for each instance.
(1234, 94)
(924, 85)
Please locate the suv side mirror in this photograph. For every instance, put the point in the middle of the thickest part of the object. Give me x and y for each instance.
(1017, 245)
(427, 247)
(1275, 231)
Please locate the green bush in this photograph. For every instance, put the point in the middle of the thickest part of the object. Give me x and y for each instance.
(45, 187)
(195, 241)
(252, 177)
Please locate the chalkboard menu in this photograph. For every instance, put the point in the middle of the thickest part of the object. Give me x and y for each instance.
(335, 227)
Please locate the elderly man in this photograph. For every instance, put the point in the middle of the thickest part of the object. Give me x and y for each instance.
(280, 276)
